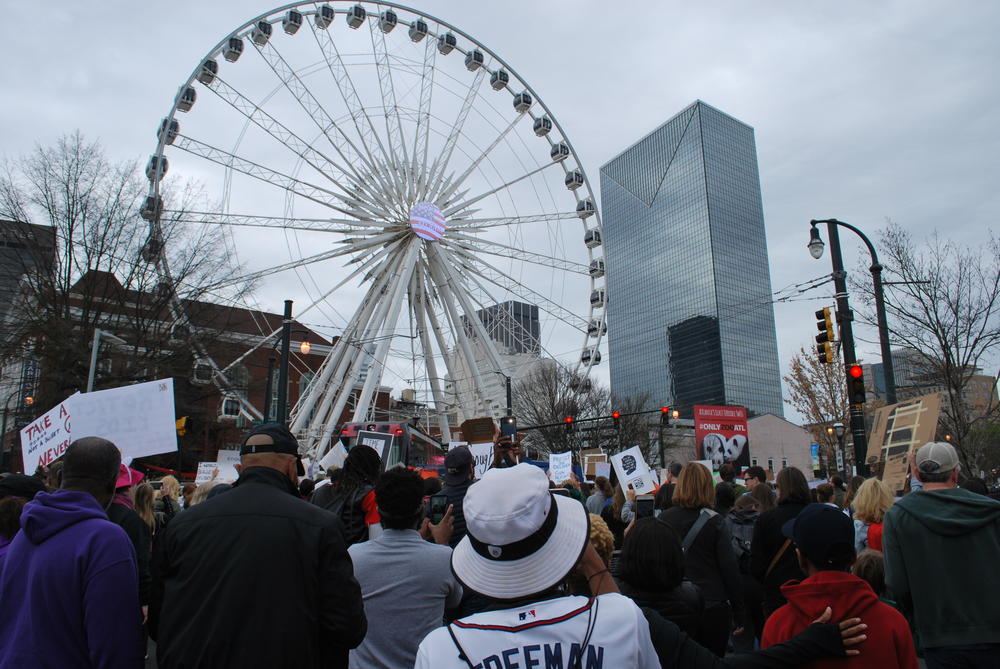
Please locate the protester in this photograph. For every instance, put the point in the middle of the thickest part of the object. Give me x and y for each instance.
(142, 500)
(940, 548)
(432, 486)
(69, 587)
(406, 581)
(852, 490)
(976, 485)
(460, 468)
(739, 524)
(825, 494)
(664, 497)
(727, 472)
(673, 472)
(167, 503)
(870, 568)
(709, 560)
(839, 491)
(16, 490)
(871, 502)
(507, 452)
(611, 514)
(763, 498)
(188, 492)
(352, 496)
(572, 488)
(725, 498)
(824, 545)
(602, 495)
(257, 577)
(772, 556)
(201, 493)
(521, 545)
(651, 573)
(753, 477)
(122, 513)
(306, 487)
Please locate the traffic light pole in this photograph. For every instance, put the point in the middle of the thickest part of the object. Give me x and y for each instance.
(844, 318)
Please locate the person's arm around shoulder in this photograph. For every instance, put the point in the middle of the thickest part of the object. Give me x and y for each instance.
(342, 614)
(111, 615)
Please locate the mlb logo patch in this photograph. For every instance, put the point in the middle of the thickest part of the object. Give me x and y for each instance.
(526, 615)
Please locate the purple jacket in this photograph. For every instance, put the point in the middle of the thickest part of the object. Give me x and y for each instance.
(70, 588)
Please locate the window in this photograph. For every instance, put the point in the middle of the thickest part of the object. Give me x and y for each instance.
(753, 462)
(770, 464)
(784, 462)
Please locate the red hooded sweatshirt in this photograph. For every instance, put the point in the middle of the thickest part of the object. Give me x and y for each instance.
(889, 644)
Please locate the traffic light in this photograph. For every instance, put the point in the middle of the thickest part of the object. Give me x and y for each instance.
(856, 383)
(665, 415)
(824, 345)
(569, 423)
(616, 416)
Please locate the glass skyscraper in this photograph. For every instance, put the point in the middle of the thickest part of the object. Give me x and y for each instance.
(690, 319)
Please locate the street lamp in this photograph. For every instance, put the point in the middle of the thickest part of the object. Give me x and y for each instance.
(94, 347)
(281, 415)
(28, 401)
(845, 316)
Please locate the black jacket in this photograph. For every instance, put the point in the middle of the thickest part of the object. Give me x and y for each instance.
(456, 497)
(710, 562)
(256, 577)
(347, 506)
(767, 541)
(139, 534)
(683, 606)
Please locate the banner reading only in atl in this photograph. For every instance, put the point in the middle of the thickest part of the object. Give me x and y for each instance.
(721, 435)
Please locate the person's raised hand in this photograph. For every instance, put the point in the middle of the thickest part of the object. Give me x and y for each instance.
(630, 494)
(914, 470)
(851, 630)
(441, 533)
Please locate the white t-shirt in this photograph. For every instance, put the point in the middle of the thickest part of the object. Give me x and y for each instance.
(537, 634)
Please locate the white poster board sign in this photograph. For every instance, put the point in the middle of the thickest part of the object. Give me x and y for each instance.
(454, 444)
(334, 458)
(632, 469)
(560, 466)
(226, 461)
(708, 465)
(139, 419)
(482, 455)
(603, 469)
(379, 441)
(205, 470)
(47, 437)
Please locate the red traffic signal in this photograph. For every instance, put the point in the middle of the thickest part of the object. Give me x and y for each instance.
(569, 423)
(856, 384)
(664, 409)
(664, 415)
(855, 371)
(616, 415)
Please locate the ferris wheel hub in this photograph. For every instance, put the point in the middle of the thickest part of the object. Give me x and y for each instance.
(427, 221)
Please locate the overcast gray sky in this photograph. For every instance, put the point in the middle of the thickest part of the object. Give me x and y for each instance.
(863, 110)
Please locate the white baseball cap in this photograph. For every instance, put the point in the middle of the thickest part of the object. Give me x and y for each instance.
(521, 538)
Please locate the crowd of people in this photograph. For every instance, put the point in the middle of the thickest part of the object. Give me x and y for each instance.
(359, 570)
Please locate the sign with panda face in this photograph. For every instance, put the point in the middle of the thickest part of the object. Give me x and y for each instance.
(721, 435)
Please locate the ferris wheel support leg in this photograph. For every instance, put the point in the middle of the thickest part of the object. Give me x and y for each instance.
(458, 328)
(441, 343)
(399, 292)
(418, 304)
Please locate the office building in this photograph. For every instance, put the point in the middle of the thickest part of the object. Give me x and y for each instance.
(690, 319)
(512, 325)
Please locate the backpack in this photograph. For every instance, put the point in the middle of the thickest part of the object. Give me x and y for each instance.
(347, 507)
(741, 535)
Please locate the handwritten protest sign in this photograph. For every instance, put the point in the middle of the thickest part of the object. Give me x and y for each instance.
(632, 469)
(226, 461)
(482, 455)
(47, 437)
(205, 470)
(379, 441)
(602, 469)
(560, 466)
(139, 419)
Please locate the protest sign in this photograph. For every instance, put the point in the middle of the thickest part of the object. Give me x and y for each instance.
(632, 469)
(454, 444)
(47, 437)
(139, 419)
(380, 441)
(720, 435)
(205, 470)
(560, 466)
(334, 458)
(482, 455)
(602, 469)
(708, 465)
(900, 429)
(226, 461)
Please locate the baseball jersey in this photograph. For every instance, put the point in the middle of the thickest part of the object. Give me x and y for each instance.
(551, 633)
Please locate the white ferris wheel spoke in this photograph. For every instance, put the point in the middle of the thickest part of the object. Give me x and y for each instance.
(422, 135)
(440, 166)
(271, 222)
(465, 203)
(445, 196)
(417, 305)
(393, 122)
(236, 163)
(468, 244)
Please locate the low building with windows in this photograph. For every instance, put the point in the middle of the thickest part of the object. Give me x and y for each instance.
(776, 443)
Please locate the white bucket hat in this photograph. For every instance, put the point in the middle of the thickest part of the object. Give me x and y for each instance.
(521, 538)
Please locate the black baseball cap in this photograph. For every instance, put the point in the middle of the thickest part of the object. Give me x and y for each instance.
(823, 533)
(20, 485)
(281, 441)
(456, 464)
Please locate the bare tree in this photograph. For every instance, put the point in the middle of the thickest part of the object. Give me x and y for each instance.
(99, 269)
(818, 391)
(944, 305)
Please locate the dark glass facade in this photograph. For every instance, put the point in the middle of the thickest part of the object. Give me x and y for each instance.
(512, 324)
(690, 319)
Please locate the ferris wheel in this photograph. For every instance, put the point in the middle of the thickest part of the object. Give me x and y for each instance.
(411, 183)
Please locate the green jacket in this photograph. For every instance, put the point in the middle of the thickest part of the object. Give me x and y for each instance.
(941, 552)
